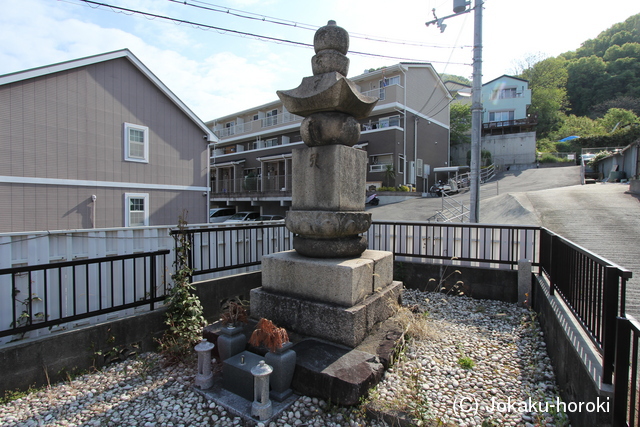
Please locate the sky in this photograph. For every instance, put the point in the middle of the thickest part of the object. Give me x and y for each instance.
(217, 72)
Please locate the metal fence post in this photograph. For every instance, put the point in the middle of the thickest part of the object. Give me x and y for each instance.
(152, 281)
(621, 387)
(610, 313)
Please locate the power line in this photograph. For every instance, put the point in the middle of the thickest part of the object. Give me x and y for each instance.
(197, 25)
(272, 20)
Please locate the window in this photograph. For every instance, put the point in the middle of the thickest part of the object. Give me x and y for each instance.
(271, 119)
(501, 116)
(400, 164)
(378, 163)
(272, 142)
(136, 209)
(507, 93)
(230, 128)
(395, 80)
(136, 143)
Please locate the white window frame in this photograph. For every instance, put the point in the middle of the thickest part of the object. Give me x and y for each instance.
(127, 211)
(377, 162)
(510, 115)
(127, 150)
(400, 168)
(271, 142)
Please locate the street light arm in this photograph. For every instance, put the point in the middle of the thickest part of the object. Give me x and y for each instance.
(438, 21)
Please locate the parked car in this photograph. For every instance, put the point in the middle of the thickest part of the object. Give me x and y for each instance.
(220, 214)
(270, 218)
(243, 216)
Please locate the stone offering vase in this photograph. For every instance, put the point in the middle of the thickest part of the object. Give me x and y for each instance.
(280, 356)
(283, 362)
(232, 339)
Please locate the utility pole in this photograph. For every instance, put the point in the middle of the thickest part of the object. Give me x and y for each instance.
(476, 113)
(460, 7)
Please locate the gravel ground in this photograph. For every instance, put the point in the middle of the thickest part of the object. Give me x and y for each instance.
(477, 363)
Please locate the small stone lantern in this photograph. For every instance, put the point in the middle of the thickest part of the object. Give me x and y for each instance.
(204, 376)
(261, 407)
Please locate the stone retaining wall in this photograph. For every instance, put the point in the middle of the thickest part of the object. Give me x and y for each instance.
(35, 362)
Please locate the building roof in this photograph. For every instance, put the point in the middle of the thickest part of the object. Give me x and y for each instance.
(90, 60)
(505, 75)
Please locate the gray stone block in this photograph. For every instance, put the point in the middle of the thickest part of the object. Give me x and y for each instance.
(330, 128)
(324, 224)
(345, 247)
(328, 178)
(341, 281)
(236, 374)
(382, 268)
(341, 325)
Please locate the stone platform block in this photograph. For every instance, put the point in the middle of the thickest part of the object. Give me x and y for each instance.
(328, 178)
(348, 326)
(340, 281)
(236, 373)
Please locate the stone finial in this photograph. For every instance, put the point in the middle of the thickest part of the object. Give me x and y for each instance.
(331, 44)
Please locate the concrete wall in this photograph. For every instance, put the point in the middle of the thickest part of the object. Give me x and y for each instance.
(576, 362)
(510, 149)
(27, 363)
(479, 283)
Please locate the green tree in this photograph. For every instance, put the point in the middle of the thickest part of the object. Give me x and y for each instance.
(460, 123)
(454, 78)
(616, 118)
(547, 80)
(389, 175)
(624, 102)
(585, 76)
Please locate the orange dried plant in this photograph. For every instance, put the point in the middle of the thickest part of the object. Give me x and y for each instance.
(269, 335)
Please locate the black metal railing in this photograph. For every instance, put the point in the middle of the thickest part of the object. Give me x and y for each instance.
(591, 286)
(501, 246)
(626, 401)
(48, 295)
(221, 248)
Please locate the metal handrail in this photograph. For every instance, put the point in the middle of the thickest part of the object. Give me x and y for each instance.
(119, 282)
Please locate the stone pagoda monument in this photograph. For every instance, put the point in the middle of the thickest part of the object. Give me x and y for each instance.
(330, 286)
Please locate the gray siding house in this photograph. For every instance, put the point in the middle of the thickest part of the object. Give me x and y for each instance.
(98, 142)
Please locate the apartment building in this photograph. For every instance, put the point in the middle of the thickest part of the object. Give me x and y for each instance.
(408, 132)
(98, 142)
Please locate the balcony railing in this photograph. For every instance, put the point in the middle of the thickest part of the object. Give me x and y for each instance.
(268, 184)
(389, 93)
(257, 125)
(381, 124)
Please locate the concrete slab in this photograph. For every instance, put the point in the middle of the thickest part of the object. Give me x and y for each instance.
(238, 405)
(342, 375)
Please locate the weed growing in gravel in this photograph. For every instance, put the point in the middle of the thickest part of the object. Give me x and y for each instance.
(466, 362)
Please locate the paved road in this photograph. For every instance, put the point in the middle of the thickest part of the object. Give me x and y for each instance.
(603, 218)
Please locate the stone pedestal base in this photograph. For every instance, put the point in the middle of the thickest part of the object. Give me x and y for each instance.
(340, 281)
(348, 326)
